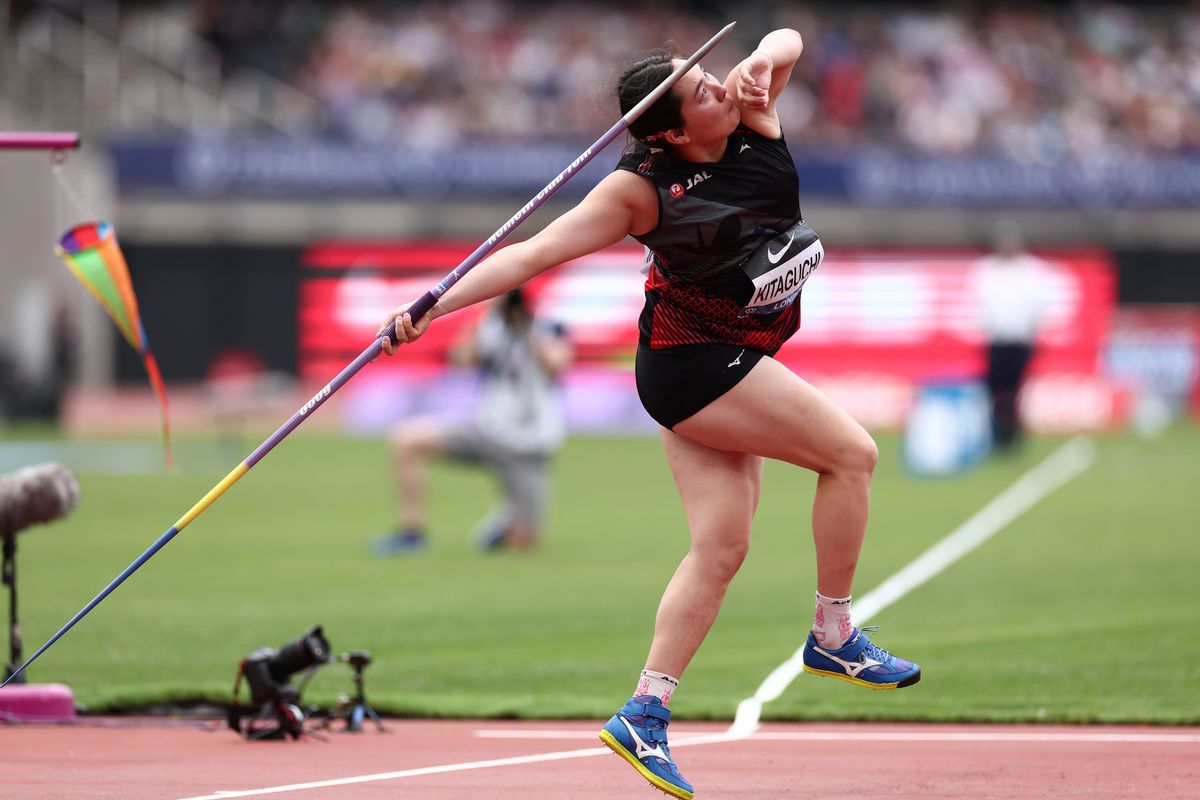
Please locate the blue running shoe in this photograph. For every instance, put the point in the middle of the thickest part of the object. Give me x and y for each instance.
(638, 734)
(860, 661)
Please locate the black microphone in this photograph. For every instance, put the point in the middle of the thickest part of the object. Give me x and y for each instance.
(35, 495)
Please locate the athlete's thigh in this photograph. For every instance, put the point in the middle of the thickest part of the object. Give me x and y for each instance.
(719, 488)
(775, 413)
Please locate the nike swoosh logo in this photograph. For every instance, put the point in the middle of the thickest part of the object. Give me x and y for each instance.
(774, 257)
(852, 667)
(640, 748)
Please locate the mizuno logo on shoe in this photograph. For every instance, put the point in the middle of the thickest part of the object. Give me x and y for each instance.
(640, 749)
(852, 668)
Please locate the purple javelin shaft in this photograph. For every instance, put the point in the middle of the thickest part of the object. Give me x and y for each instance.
(38, 141)
(416, 310)
(426, 301)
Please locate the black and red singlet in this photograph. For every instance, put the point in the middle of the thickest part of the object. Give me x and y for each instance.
(713, 218)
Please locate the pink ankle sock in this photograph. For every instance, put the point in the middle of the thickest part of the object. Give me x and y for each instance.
(658, 684)
(831, 621)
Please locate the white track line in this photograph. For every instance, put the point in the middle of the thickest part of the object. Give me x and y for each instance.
(536, 758)
(680, 740)
(1060, 467)
(408, 773)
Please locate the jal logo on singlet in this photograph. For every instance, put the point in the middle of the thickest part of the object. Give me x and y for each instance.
(677, 189)
(698, 179)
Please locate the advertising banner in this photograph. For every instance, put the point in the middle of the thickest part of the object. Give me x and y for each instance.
(285, 167)
(875, 327)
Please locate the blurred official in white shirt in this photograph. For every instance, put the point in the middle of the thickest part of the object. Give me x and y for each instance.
(1012, 291)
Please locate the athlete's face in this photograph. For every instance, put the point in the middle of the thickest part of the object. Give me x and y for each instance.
(708, 110)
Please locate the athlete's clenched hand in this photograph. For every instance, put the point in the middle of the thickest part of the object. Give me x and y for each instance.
(754, 81)
(398, 328)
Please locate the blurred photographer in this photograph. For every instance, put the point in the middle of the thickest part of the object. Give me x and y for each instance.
(515, 431)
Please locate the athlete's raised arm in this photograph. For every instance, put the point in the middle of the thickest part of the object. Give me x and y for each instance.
(619, 203)
(758, 80)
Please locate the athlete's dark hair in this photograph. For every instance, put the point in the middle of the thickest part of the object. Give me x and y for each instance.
(637, 81)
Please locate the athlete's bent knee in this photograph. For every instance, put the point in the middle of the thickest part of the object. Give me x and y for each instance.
(723, 559)
(868, 456)
(859, 456)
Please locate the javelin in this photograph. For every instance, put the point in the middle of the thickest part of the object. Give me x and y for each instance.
(417, 310)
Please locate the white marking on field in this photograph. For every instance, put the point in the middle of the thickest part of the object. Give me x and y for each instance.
(1060, 467)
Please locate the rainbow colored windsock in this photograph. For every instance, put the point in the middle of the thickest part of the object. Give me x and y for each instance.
(91, 251)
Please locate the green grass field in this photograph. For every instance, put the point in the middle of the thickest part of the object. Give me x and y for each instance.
(1086, 609)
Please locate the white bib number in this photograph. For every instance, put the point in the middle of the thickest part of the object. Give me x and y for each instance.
(779, 269)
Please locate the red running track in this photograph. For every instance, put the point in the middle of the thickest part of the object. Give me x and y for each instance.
(440, 760)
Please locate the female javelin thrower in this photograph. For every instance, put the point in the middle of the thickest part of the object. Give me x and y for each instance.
(711, 191)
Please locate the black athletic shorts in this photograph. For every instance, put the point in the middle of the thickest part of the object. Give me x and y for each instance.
(677, 382)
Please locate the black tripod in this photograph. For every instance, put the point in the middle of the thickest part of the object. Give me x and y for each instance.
(359, 708)
(14, 630)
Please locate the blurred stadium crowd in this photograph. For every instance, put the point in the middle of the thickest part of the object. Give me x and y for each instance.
(1032, 81)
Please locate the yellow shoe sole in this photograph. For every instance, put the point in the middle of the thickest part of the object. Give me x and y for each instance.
(655, 781)
(859, 682)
